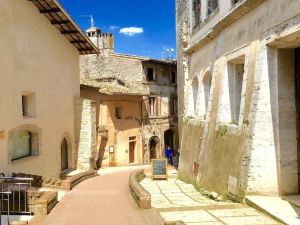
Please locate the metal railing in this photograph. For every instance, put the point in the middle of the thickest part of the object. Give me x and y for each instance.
(4, 197)
(17, 203)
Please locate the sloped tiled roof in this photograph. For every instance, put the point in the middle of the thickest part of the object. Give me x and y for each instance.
(113, 88)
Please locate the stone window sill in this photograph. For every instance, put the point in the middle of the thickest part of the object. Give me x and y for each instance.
(29, 117)
(25, 158)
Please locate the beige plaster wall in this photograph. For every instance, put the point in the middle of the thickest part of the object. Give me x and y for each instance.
(118, 130)
(36, 58)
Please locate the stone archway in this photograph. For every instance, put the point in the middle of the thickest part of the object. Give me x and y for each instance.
(66, 154)
(154, 148)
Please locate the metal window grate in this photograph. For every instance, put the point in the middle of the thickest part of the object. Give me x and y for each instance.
(17, 202)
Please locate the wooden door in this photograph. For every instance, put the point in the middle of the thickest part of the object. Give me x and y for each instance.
(131, 151)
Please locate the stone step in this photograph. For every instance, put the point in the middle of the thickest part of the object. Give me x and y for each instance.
(276, 207)
(293, 199)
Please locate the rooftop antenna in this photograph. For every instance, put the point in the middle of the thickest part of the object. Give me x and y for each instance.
(167, 53)
(92, 21)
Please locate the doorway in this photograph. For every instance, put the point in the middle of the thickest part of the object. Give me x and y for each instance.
(64, 155)
(287, 104)
(154, 148)
(168, 136)
(297, 92)
(132, 144)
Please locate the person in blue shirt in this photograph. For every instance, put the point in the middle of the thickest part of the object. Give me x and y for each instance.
(169, 154)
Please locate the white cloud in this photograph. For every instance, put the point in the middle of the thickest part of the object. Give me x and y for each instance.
(113, 27)
(131, 31)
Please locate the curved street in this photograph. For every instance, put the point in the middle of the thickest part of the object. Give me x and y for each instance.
(102, 200)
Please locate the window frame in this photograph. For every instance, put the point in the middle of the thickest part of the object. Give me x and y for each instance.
(154, 105)
(118, 113)
(154, 78)
(28, 105)
(174, 106)
(30, 147)
(196, 11)
(173, 78)
(212, 12)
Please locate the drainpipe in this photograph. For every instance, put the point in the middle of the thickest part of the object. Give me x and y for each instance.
(142, 130)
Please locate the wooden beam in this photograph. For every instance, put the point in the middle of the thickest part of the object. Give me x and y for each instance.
(70, 32)
(77, 42)
(60, 22)
(84, 49)
(52, 10)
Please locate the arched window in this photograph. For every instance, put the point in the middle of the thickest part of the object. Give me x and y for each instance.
(206, 82)
(195, 85)
(21, 144)
(24, 141)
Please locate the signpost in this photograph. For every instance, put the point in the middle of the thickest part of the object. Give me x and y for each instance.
(159, 169)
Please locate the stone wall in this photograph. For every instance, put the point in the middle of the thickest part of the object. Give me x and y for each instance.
(257, 153)
(85, 134)
(129, 72)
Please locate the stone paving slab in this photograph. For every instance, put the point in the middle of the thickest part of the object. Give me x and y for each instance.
(276, 207)
(178, 201)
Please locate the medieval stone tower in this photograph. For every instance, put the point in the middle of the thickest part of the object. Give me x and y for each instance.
(104, 41)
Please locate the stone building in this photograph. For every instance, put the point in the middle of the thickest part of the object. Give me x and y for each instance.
(136, 103)
(238, 72)
(40, 79)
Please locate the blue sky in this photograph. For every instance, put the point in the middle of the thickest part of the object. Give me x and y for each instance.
(155, 17)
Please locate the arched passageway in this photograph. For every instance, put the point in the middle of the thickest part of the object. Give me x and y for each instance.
(154, 148)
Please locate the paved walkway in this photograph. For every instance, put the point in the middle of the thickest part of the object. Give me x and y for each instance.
(103, 200)
(178, 201)
(279, 208)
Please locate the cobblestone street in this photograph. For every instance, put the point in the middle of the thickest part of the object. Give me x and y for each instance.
(178, 201)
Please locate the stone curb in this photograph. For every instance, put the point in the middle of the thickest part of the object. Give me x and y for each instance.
(140, 195)
(174, 223)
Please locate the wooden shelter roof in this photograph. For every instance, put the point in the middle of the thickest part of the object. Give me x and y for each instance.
(59, 18)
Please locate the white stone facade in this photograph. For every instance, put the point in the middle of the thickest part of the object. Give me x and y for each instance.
(249, 122)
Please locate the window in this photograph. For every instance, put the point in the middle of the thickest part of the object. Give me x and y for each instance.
(151, 74)
(24, 141)
(21, 144)
(28, 105)
(118, 112)
(194, 96)
(204, 94)
(132, 138)
(173, 77)
(173, 106)
(231, 96)
(212, 5)
(235, 72)
(196, 12)
(152, 106)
